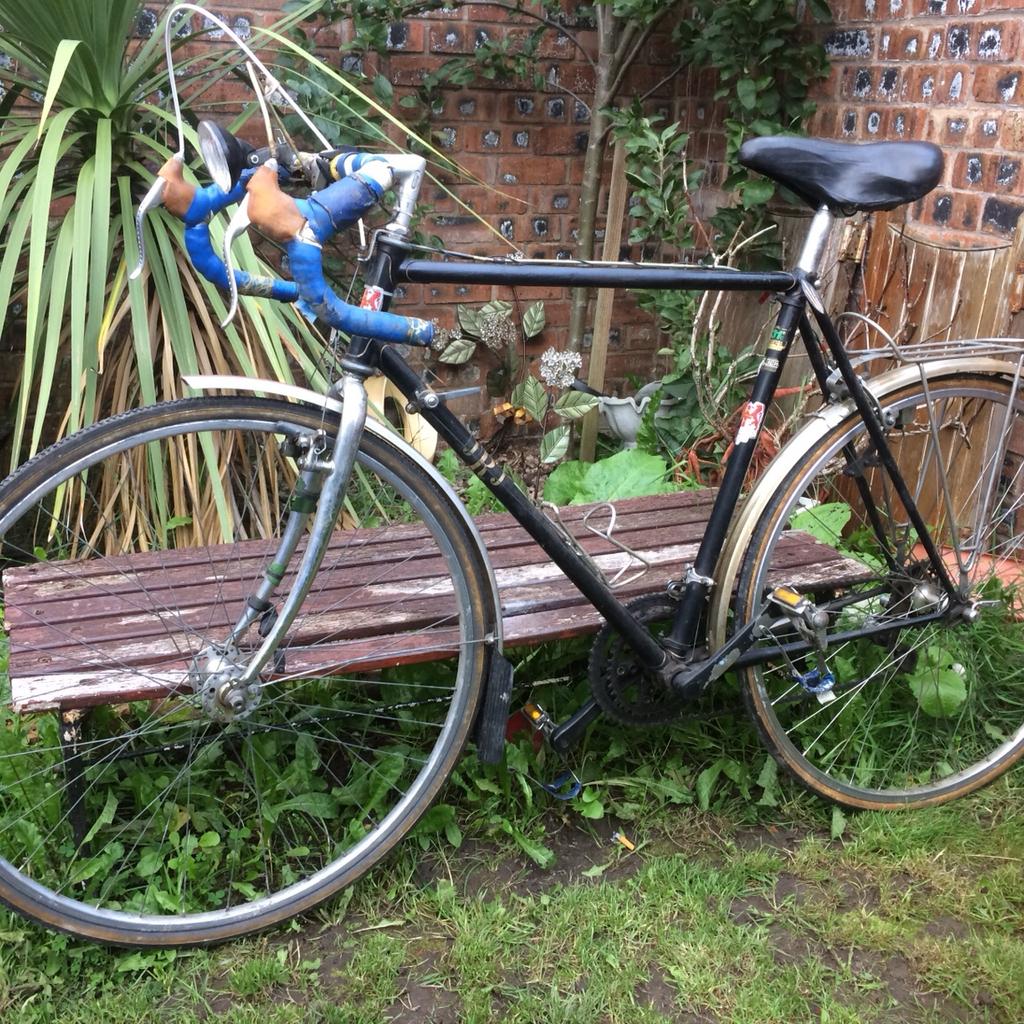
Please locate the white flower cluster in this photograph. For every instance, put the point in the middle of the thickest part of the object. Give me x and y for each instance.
(559, 369)
(497, 331)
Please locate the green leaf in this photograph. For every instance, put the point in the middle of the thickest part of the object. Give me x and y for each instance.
(149, 863)
(533, 320)
(768, 780)
(757, 192)
(627, 474)
(589, 805)
(105, 817)
(937, 684)
(706, 784)
(573, 405)
(457, 351)
(469, 320)
(746, 93)
(530, 395)
(838, 822)
(536, 851)
(61, 58)
(824, 522)
(317, 805)
(496, 306)
(554, 444)
(384, 89)
(565, 482)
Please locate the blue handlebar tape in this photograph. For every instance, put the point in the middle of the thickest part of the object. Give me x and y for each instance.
(306, 264)
(211, 266)
(340, 204)
(349, 161)
(211, 199)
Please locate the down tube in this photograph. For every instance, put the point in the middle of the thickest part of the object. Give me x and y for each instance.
(537, 525)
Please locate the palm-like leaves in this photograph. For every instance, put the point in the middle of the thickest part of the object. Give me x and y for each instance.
(80, 142)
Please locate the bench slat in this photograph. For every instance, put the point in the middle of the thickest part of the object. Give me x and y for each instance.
(87, 618)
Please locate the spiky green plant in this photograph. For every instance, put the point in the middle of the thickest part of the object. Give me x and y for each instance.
(82, 129)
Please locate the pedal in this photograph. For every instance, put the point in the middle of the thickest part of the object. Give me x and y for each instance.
(810, 622)
(540, 721)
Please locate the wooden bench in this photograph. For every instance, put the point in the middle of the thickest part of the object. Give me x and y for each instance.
(107, 652)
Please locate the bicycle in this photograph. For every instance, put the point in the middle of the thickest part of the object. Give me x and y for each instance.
(214, 784)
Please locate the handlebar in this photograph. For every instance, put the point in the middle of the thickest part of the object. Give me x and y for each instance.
(302, 226)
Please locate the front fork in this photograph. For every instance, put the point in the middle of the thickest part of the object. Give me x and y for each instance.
(323, 481)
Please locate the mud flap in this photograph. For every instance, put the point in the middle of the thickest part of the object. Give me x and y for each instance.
(493, 716)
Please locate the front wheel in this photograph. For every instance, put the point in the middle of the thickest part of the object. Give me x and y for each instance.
(137, 806)
(886, 718)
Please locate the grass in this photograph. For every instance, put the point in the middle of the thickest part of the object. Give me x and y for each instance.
(744, 912)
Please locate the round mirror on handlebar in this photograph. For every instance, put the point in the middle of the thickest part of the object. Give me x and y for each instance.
(224, 155)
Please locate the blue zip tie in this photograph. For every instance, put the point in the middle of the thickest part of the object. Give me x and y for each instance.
(814, 681)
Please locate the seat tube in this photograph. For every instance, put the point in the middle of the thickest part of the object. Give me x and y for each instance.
(699, 579)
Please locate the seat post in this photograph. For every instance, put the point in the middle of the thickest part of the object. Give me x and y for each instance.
(814, 243)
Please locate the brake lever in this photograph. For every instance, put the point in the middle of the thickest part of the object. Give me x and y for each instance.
(152, 199)
(238, 224)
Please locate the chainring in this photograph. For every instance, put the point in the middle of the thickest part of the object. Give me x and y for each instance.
(625, 691)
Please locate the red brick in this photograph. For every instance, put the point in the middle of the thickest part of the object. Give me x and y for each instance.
(998, 84)
(953, 83)
(953, 129)
(906, 44)
(986, 129)
(1011, 134)
(558, 46)
(452, 38)
(998, 40)
(919, 85)
(521, 106)
(530, 170)
(410, 70)
(437, 294)
(969, 171)
(407, 37)
(1007, 174)
(969, 212)
(558, 140)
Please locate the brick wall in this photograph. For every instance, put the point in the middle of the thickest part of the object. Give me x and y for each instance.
(525, 143)
(945, 70)
(949, 71)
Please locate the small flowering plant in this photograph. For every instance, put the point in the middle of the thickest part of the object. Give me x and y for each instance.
(491, 325)
(533, 400)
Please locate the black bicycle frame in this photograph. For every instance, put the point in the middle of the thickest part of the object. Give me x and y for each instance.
(391, 266)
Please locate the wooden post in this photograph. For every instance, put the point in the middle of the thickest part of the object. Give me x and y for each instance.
(605, 297)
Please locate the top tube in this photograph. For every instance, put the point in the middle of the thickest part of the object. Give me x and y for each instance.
(570, 274)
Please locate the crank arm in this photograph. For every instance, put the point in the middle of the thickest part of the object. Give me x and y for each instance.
(692, 679)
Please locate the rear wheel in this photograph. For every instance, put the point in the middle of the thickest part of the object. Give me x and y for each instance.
(137, 805)
(916, 715)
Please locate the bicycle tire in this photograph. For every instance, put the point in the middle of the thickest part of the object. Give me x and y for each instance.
(919, 717)
(201, 828)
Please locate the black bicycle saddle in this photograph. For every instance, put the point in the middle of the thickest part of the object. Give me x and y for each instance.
(846, 176)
